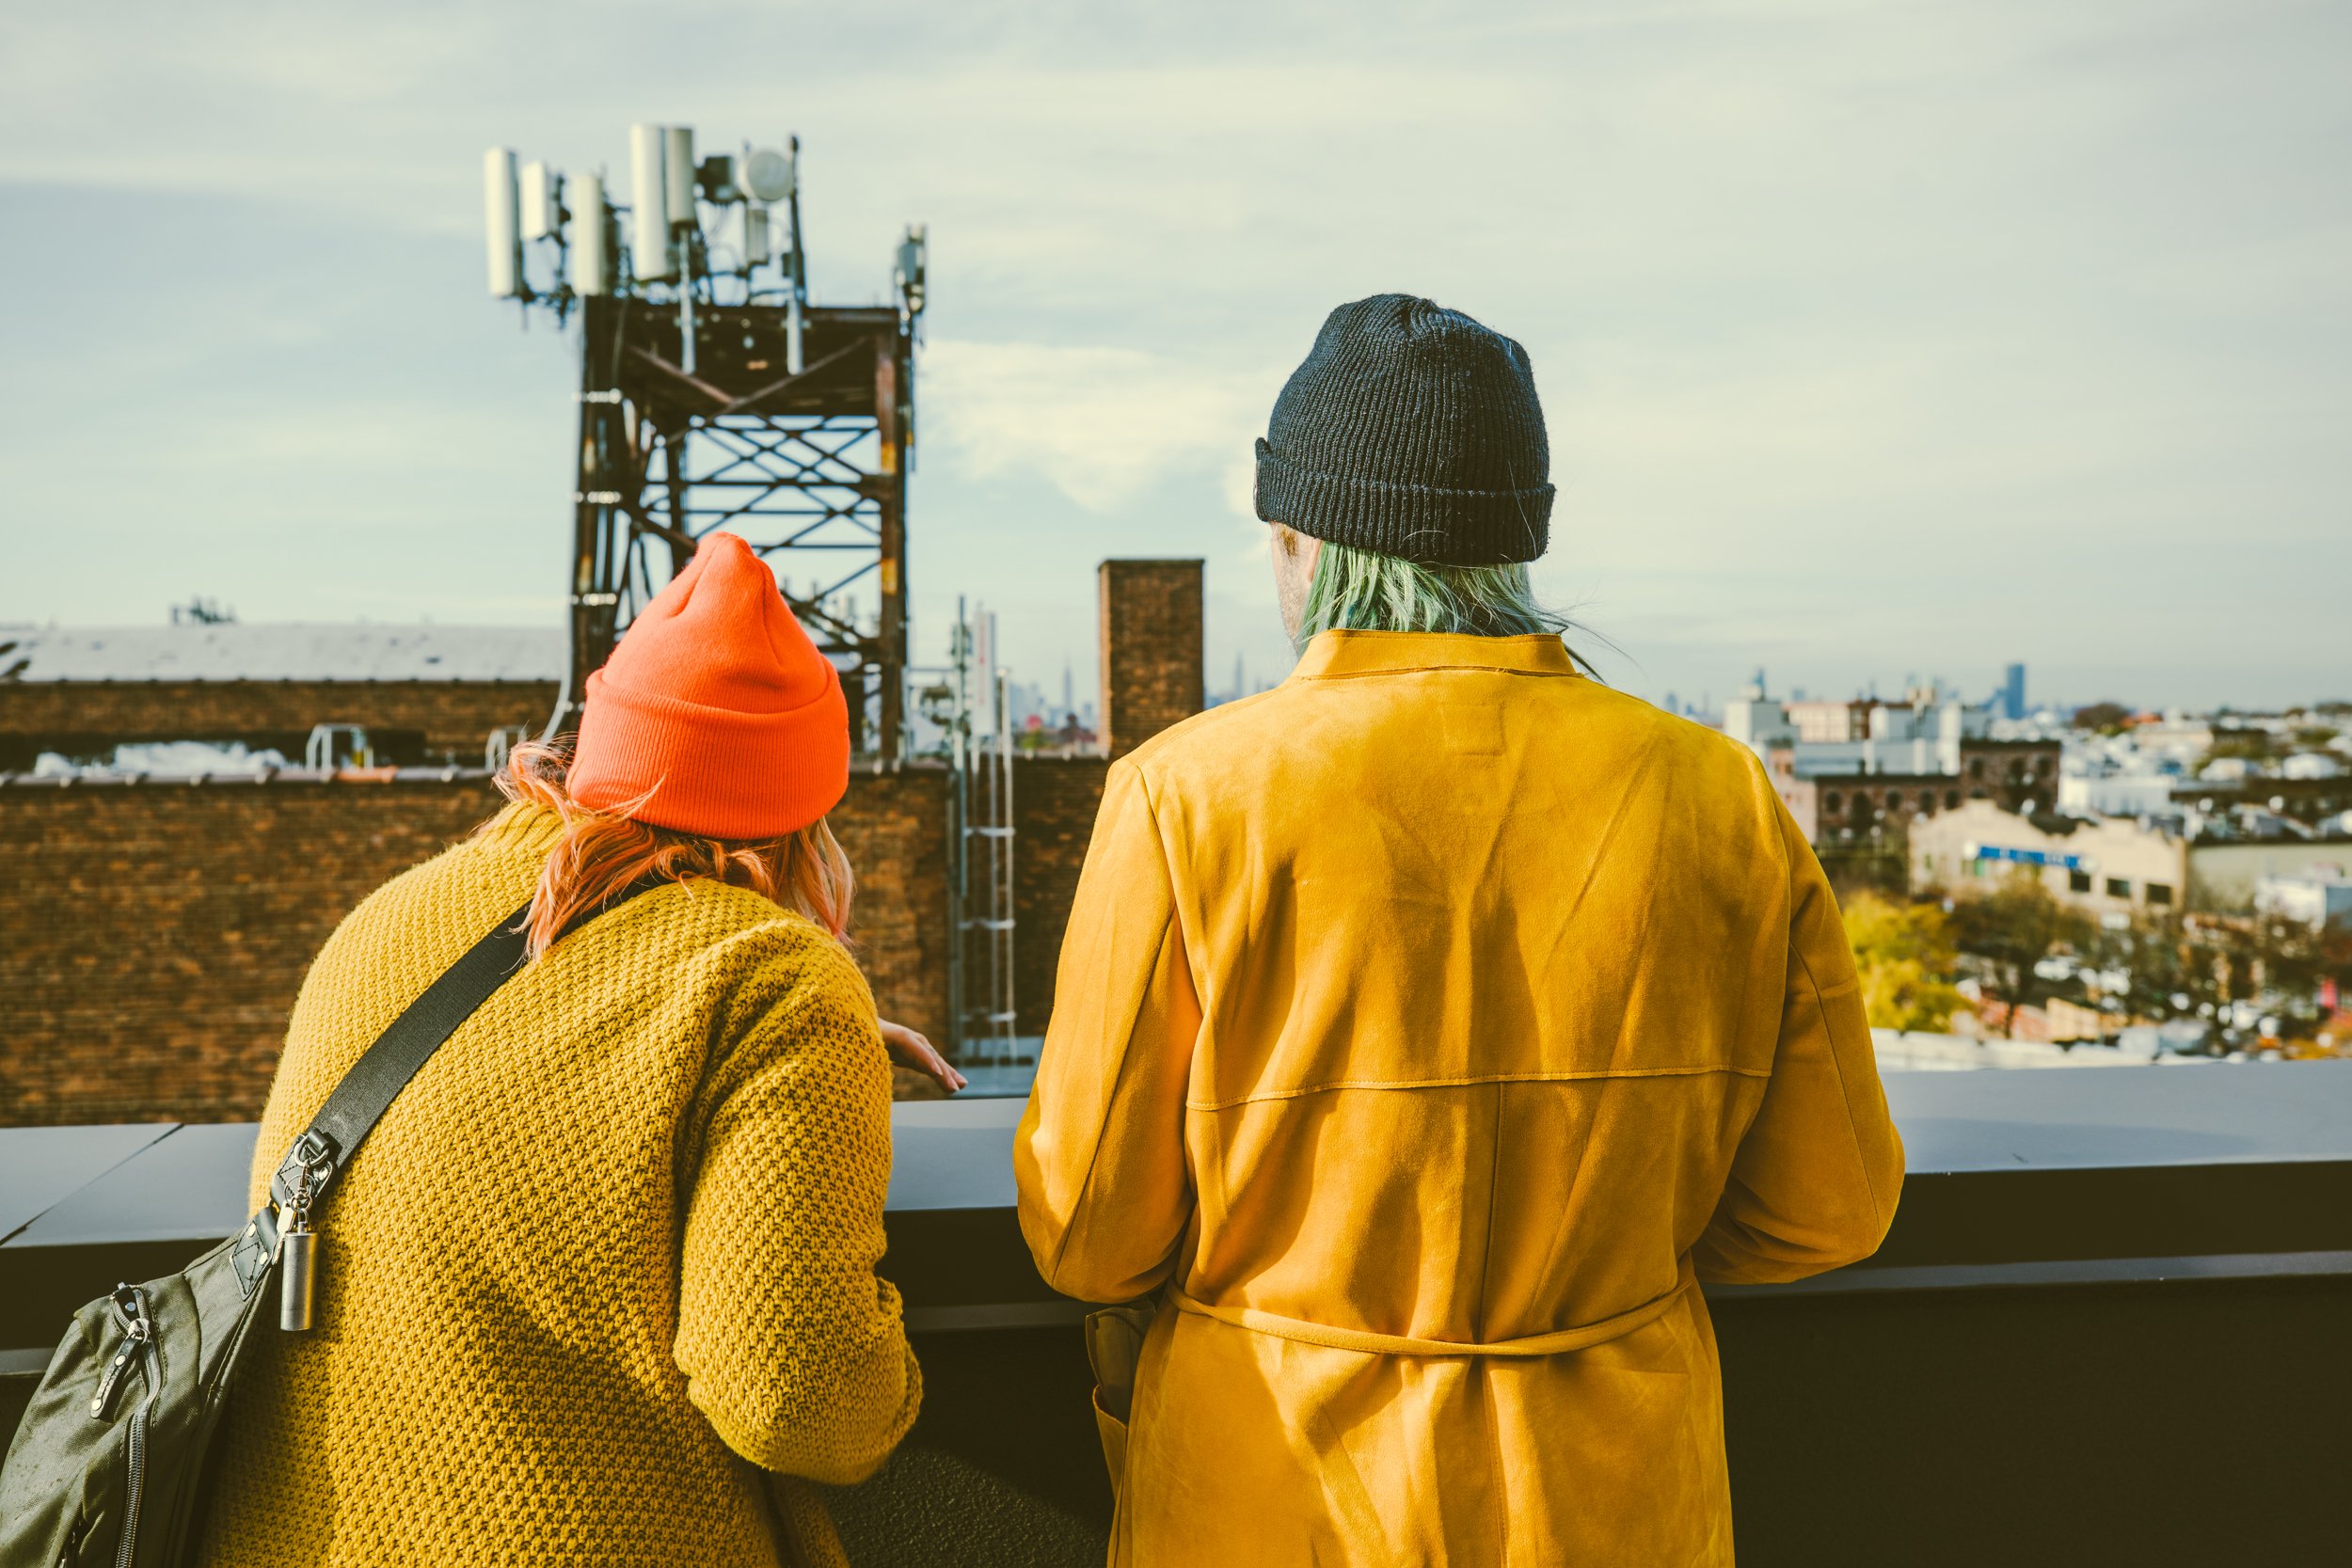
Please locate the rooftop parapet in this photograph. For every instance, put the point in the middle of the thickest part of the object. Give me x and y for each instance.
(2107, 1326)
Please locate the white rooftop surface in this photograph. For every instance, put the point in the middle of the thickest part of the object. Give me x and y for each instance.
(1918, 1052)
(238, 652)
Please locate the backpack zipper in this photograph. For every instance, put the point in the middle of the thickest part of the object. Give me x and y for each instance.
(104, 1400)
(130, 1302)
(139, 1344)
(132, 1488)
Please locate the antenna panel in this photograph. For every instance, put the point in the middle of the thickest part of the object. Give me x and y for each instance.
(649, 205)
(538, 201)
(592, 264)
(678, 171)
(502, 216)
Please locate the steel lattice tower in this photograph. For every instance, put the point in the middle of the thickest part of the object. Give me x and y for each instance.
(809, 467)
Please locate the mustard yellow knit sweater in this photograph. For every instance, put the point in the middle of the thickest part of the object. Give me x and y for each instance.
(607, 1259)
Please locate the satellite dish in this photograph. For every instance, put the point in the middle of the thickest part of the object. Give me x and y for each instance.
(766, 173)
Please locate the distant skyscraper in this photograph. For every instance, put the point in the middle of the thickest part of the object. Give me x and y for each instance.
(2013, 692)
(1069, 697)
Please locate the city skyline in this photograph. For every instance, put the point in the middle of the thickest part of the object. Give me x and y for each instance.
(1871, 344)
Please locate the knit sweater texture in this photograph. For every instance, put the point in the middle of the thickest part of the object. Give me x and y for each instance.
(600, 1289)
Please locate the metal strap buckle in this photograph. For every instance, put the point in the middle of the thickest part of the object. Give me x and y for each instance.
(256, 1248)
(312, 1156)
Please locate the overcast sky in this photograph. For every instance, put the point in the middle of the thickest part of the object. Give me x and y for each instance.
(1876, 339)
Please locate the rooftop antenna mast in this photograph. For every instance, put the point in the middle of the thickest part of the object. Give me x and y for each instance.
(713, 395)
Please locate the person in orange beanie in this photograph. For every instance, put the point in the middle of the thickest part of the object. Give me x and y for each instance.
(717, 717)
(681, 1108)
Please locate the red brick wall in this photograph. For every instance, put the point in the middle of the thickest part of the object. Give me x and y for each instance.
(1053, 803)
(454, 716)
(1852, 806)
(1150, 617)
(153, 936)
(2011, 772)
(894, 828)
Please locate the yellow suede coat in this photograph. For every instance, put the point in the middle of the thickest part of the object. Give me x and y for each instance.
(607, 1259)
(1442, 997)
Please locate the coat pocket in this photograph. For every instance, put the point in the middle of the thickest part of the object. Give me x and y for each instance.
(1114, 1346)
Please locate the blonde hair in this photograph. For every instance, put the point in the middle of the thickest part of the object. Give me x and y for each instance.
(602, 852)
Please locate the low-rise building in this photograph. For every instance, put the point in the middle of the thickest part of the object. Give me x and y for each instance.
(1921, 733)
(2117, 866)
(2317, 898)
(1856, 807)
(2309, 798)
(424, 694)
(1861, 772)
(2097, 864)
(2113, 775)
(2134, 793)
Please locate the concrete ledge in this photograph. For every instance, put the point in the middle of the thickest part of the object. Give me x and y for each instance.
(2109, 1318)
(258, 776)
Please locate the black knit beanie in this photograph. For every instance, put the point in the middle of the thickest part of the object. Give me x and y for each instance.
(1410, 431)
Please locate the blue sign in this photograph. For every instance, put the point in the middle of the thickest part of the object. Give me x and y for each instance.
(2030, 857)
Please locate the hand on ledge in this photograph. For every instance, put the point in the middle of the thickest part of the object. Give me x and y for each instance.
(912, 1050)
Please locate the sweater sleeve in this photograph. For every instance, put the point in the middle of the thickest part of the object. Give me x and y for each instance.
(1817, 1174)
(1105, 1194)
(791, 1346)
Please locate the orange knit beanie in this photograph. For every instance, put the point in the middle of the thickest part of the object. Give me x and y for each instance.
(715, 714)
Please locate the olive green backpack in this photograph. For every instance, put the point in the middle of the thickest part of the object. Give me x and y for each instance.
(108, 1464)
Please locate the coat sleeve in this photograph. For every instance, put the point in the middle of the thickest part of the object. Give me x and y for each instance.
(1817, 1174)
(791, 1346)
(1105, 1196)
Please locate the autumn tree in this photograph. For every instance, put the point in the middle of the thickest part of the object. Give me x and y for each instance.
(2286, 961)
(2154, 958)
(2106, 717)
(2012, 929)
(1905, 957)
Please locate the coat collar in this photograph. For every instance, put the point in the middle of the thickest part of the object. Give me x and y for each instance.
(1338, 653)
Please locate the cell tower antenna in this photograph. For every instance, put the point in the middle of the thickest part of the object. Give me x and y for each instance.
(714, 395)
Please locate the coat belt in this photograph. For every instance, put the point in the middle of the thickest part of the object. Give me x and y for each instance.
(1558, 1342)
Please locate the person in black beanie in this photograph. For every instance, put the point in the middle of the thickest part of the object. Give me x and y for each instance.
(1426, 1028)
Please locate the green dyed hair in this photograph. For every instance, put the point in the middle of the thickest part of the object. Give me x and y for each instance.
(1356, 589)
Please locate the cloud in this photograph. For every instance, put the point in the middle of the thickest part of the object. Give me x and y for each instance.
(1872, 336)
(1102, 424)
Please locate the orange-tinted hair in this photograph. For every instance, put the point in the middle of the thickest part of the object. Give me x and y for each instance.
(603, 852)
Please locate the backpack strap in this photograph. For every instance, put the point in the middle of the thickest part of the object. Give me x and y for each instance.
(375, 1080)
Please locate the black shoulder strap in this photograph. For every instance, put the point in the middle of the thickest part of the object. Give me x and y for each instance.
(375, 1080)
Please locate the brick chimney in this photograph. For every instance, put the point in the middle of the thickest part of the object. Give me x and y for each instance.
(1151, 656)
